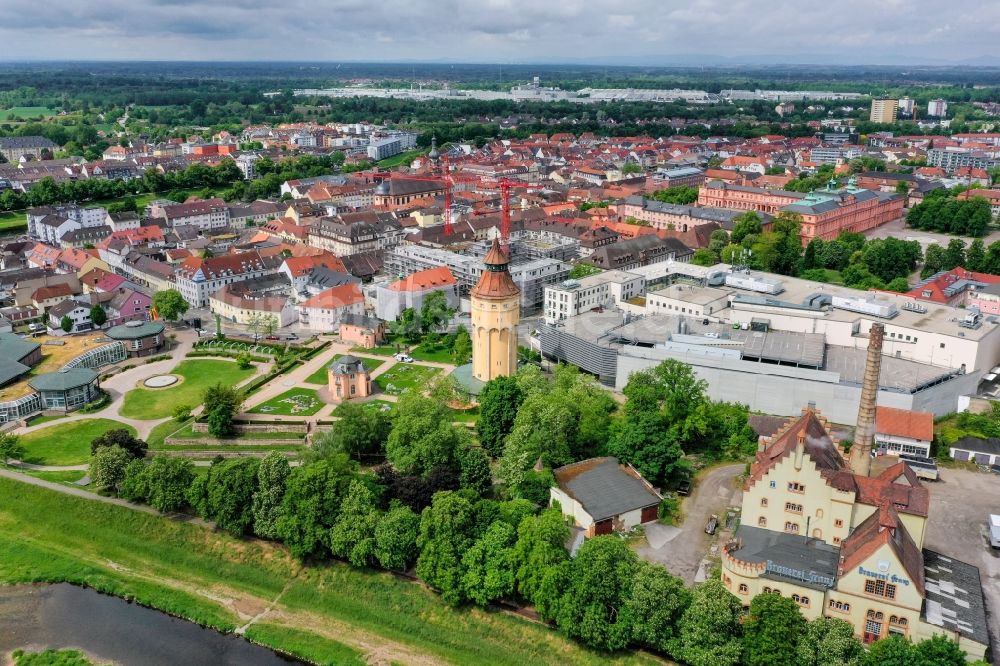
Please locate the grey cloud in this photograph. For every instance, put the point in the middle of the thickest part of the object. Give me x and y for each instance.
(496, 29)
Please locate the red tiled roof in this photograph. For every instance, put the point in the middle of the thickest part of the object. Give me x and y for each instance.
(336, 297)
(431, 278)
(904, 423)
(881, 528)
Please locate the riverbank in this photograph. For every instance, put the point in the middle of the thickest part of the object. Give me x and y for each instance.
(329, 613)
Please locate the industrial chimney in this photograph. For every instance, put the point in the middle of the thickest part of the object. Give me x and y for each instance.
(864, 433)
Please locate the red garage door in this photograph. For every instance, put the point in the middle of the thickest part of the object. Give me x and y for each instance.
(602, 527)
(649, 514)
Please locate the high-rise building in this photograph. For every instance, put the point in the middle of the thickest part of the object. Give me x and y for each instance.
(937, 108)
(884, 110)
(906, 107)
(496, 311)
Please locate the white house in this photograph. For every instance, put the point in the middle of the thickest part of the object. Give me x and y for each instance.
(323, 312)
(602, 495)
(902, 431)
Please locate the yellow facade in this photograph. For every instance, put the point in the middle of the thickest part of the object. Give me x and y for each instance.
(494, 337)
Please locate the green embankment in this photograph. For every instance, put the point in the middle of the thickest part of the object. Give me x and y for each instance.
(337, 612)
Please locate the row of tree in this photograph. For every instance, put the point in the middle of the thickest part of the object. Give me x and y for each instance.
(942, 211)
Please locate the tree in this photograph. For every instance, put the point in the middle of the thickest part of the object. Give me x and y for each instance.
(123, 438)
(592, 606)
(934, 259)
(272, 475)
(313, 494)
(489, 565)
(829, 642)
(704, 257)
(407, 325)
(446, 533)
(221, 404)
(353, 536)
(747, 224)
(939, 650)
(227, 499)
(895, 650)
(474, 470)
(889, 258)
(656, 605)
(434, 312)
(954, 254)
(360, 432)
(98, 316)
(422, 436)
(10, 448)
(682, 195)
(396, 538)
(170, 304)
(710, 627)
(771, 631)
(975, 256)
(461, 348)
(902, 187)
(66, 324)
(498, 404)
(107, 467)
(167, 482)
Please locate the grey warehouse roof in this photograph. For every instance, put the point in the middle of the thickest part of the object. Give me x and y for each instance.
(63, 380)
(14, 348)
(134, 330)
(790, 557)
(954, 599)
(605, 488)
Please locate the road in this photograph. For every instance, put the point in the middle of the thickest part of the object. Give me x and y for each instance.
(682, 549)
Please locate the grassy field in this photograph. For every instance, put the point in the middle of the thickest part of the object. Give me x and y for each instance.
(205, 576)
(370, 404)
(293, 402)
(432, 353)
(39, 420)
(470, 415)
(66, 443)
(12, 222)
(402, 158)
(320, 376)
(198, 374)
(302, 644)
(25, 112)
(405, 377)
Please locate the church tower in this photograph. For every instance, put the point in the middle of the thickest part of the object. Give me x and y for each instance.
(496, 311)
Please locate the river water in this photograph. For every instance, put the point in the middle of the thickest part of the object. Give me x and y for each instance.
(113, 630)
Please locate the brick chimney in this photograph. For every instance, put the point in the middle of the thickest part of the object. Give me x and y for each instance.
(864, 432)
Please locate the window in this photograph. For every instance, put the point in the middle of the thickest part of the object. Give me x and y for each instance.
(796, 487)
(840, 606)
(793, 508)
(942, 345)
(836, 541)
(743, 588)
(762, 522)
(819, 513)
(817, 533)
(880, 588)
(774, 484)
(838, 523)
(763, 501)
(792, 528)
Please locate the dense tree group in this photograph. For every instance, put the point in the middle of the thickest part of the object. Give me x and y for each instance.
(942, 211)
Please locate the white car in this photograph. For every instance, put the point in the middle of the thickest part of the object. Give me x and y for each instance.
(404, 358)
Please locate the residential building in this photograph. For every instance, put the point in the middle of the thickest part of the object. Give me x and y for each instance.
(665, 216)
(77, 311)
(410, 292)
(324, 312)
(401, 191)
(903, 431)
(884, 110)
(15, 147)
(632, 253)
(247, 301)
(606, 289)
(937, 108)
(677, 177)
(953, 158)
(602, 495)
(205, 215)
(198, 278)
(355, 233)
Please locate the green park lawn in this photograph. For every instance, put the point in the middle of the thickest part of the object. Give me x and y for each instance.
(13, 221)
(326, 612)
(293, 402)
(66, 443)
(385, 350)
(198, 374)
(406, 377)
(427, 351)
(368, 404)
(320, 376)
(470, 415)
(25, 112)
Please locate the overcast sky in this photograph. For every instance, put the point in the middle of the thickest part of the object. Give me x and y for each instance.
(498, 30)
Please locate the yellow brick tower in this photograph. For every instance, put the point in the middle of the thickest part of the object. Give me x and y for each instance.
(496, 311)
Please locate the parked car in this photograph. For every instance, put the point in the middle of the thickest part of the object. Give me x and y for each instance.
(292, 336)
(272, 337)
(404, 358)
(684, 487)
(713, 524)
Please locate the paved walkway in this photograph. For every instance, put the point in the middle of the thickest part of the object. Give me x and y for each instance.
(76, 492)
